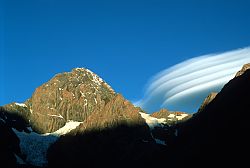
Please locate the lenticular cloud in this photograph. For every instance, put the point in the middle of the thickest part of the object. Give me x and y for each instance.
(184, 86)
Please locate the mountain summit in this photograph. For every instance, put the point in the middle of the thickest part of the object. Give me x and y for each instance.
(67, 96)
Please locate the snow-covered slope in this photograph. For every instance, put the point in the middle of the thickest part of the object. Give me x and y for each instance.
(35, 146)
(152, 121)
(178, 117)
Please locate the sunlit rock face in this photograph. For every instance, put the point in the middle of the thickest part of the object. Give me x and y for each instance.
(207, 100)
(184, 86)
(244, 68)
(67, 96)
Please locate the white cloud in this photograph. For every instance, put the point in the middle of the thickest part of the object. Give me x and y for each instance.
(184, 86)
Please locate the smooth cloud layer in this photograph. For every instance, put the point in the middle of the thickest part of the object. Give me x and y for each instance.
(183, 87)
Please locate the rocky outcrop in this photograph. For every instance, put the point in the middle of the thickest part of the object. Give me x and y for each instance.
(172, 117)
(16, 116)
(116, 112)
(207, 100)
(244, 68)
(67, 96)
(163, 113)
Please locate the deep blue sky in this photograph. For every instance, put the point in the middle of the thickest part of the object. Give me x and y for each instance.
(125, 42)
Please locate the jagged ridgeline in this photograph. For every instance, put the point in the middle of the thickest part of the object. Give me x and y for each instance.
(77, 120)
(82, 106)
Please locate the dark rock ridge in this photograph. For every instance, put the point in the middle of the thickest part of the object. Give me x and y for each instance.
(9, 142)
(207, 100)
(16, 116)
(218, 134)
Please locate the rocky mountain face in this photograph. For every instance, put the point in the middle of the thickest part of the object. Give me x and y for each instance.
(82, 96)
(83, 123)
(117, 111)
(67, 96)
(70, 96)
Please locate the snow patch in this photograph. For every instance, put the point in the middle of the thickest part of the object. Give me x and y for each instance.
(21, 104)
(85, 102)
(181, 116)
(97, 79)
(171, 115)
(158, 141)
(176, 132)
(83, 95)
(70, 125)
(30, 129)
(152, 121)
(59, 116)
(19, 160)
(89, 71)
(79, 69)
(35, 146)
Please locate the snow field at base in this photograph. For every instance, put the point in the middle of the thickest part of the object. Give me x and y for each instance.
(34, 146)
(154, 122)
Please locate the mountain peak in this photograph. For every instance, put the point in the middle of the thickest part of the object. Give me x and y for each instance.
(207, 100)
(94, 77)
(243, 69)
(68, 96)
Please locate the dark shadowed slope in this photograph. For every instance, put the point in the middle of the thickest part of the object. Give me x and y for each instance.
(218, 134)
(9, 142)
